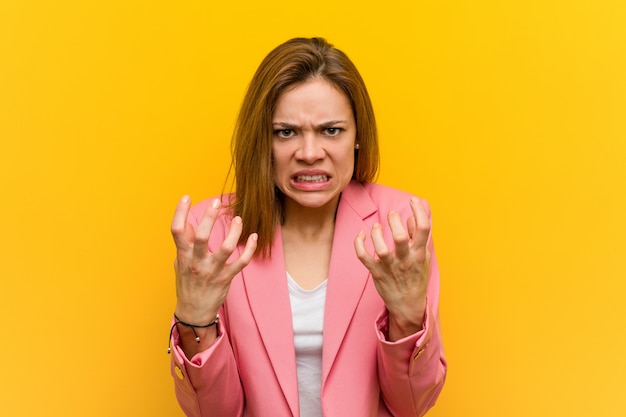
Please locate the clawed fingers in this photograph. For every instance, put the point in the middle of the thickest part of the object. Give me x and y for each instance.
(203, 231)
(204, 273)
(399, 234)
(181, 233)
(230, 242)
(419, 225)
(383, 258)
(409, 242)
(361, 252)
(380, 247)
(400, 273)
(246, 255)
(193, 245)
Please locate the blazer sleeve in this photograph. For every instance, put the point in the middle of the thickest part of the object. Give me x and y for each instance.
(209, 383)
(412, 370)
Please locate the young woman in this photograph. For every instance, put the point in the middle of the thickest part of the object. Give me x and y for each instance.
(310, 291)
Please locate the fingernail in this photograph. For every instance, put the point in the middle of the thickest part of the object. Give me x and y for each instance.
(415, 200)
(185, 199)
(215, 204)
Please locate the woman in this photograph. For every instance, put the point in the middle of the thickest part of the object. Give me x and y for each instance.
(284, 306)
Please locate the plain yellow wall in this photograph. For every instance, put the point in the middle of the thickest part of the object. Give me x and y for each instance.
(508, 116)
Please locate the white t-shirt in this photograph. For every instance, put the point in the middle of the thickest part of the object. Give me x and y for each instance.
(307, 311)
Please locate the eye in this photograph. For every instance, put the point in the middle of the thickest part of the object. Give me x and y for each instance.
(332, 131)
(284, 133)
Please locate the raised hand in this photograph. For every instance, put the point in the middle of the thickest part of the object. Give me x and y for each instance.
(400, 274)
(203, 277)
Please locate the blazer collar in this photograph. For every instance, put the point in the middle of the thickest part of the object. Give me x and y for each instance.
(268, 295)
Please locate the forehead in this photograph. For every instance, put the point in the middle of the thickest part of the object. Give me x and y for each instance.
(316, 95)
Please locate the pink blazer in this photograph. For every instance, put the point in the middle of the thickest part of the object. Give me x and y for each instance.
(250, 370)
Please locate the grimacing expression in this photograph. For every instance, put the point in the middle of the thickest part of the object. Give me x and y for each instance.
(313, 143)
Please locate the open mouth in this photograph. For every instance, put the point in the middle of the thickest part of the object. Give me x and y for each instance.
(311, 178)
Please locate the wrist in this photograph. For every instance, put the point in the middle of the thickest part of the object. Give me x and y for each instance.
(194, 325)
(193, 337)
(194, 316)
(402, 324)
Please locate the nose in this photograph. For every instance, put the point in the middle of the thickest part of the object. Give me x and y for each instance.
(310, 149)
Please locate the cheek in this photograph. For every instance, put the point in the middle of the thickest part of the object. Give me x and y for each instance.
(349, 161)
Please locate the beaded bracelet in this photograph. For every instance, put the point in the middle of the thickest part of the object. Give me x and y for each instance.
(193, 329)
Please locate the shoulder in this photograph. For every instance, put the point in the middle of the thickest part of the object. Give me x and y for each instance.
(380, 192)
(383, 197)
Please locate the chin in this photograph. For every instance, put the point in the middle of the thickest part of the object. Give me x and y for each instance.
(312, 201)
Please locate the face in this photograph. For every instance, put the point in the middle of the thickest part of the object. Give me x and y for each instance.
(313, 144)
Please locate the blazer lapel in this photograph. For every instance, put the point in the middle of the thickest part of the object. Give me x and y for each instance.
(347, 275)
(265, 282)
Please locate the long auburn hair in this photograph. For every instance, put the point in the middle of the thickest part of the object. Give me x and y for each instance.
(256, 199)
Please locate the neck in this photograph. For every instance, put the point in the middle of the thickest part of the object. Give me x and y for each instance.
(310, 223)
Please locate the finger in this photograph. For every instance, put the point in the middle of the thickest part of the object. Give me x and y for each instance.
(359, 246)
(410, 225)
(380, 247)
(399, 234)
(203, 231)
(230, 242)
(246, 256)
(179, 223)
(422, 223)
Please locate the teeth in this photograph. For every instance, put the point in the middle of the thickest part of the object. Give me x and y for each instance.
(311, 178)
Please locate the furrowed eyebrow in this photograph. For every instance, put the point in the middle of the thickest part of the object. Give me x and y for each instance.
(331, 123)
(284, 125)
(325, 125)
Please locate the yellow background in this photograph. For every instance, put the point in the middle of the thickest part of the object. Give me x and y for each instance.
(508, 116)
